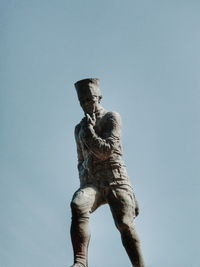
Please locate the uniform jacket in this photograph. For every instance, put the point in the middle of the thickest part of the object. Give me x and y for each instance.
(100, 152)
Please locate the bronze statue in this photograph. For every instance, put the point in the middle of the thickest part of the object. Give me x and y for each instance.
(103, 176)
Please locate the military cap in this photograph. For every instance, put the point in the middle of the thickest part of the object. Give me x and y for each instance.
(88, 87)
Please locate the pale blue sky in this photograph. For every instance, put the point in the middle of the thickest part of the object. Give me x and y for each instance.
(147, 56)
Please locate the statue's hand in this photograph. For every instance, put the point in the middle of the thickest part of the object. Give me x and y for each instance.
(87, 125)
(91, 120)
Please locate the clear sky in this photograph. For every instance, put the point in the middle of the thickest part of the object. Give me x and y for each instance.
(147, 56)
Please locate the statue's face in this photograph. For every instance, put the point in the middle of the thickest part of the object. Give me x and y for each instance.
(89, 103)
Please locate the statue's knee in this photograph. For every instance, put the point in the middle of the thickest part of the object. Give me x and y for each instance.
(80, 206)
(75, 207)
(79, 211)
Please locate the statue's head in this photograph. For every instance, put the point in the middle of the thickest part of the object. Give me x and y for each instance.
(89, 94)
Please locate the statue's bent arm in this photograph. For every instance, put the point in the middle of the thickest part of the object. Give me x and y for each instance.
(103, 147)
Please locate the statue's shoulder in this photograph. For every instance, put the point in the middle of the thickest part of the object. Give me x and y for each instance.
(79, 125)
(113, 116)
(77, 128)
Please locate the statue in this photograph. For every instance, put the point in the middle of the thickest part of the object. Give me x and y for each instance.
(103, 176)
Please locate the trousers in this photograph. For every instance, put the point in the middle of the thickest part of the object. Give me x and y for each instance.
(122, 205)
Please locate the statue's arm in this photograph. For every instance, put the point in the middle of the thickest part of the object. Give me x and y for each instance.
(102, 147)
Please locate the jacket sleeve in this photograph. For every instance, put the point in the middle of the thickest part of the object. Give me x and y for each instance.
(102, 147)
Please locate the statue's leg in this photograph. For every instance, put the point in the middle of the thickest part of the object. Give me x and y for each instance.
(122, 205)
(84, 202)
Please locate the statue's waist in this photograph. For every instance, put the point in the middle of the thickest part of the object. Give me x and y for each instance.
(93, 165)
(112, 175)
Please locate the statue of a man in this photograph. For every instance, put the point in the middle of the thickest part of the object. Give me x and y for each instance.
(103, 176)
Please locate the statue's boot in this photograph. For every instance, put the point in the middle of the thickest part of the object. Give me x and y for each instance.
(80, 236)
(131, 243)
